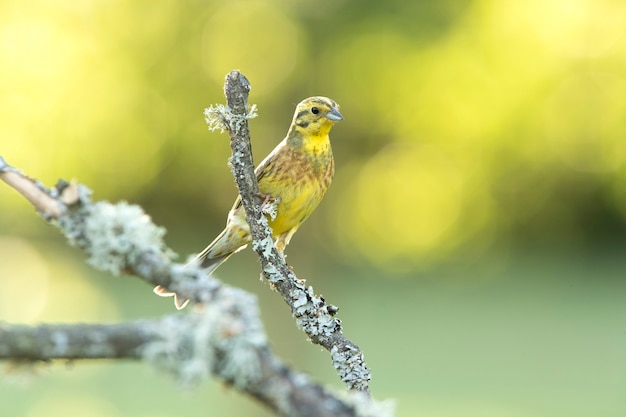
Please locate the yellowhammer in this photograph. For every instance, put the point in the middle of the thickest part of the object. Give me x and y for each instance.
(295, 175)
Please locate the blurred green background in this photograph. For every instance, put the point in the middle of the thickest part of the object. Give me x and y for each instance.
(473, 236)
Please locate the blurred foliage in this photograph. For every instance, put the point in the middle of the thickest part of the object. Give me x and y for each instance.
(467, 123)
(473, 122)
(470, 127)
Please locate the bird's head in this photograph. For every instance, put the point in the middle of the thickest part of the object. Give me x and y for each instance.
(315, 116)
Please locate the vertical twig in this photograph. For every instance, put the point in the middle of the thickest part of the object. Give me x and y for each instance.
(313, 315)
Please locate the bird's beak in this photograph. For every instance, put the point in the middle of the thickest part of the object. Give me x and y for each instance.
(334, 115)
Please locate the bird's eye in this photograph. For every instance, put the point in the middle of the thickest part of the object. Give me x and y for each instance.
(315, 110)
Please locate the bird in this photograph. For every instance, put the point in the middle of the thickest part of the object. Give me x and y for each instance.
(294, 177)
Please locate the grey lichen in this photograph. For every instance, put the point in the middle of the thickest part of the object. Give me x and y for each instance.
(348, 361)
(272, 273)
(222, 337)
(215, 117)
(114, 235)
(242, 336)
(60, 343)
(264, 246)
(171, 351)
(311, 313)
(365, 406)
(220, 117)
(72, 223)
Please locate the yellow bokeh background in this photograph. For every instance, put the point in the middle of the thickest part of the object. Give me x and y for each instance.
(479, 197)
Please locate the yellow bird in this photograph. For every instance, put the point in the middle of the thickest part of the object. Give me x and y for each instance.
(295, 176)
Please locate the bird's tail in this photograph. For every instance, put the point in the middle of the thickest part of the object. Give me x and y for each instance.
(179, 302)
(209, 259)
(218, 251)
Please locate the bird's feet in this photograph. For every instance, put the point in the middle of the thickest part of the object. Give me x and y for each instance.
(269, 205)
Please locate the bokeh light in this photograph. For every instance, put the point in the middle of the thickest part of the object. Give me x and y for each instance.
(412, 205)
(269, 56)
(22, 300)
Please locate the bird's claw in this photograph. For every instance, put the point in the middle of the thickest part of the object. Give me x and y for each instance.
(269, 205)
(268, 199)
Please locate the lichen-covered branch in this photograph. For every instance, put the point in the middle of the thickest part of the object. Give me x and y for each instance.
(31, 190)
(219, 340)
(313, 315)
(119, 238)
(223, 336)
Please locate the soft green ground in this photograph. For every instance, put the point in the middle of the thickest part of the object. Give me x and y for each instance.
(539, 335)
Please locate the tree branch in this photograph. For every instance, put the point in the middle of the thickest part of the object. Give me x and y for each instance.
(313, 315)
(31, 190)
(223, 335)
(191, 347)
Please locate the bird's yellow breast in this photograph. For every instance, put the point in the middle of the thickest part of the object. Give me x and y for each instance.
(299, 178)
